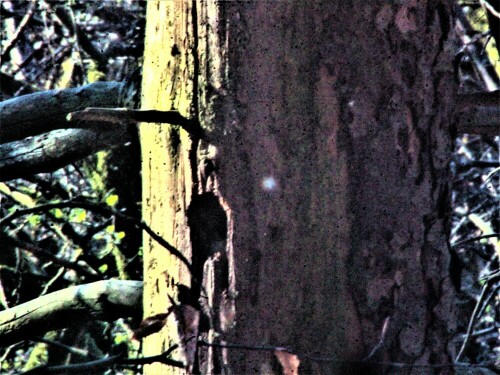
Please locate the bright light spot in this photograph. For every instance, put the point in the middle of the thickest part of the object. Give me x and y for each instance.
(351, 103)
(269, 183)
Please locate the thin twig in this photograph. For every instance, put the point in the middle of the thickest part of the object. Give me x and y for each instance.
(380, 341)
(490, 8)
(20, 29)
(42, 253)
(162, 358)
(477, 312)
(102, 210)
(327, 359)
(70, 349)
(474, 239)
(104, 363)
(265, 348)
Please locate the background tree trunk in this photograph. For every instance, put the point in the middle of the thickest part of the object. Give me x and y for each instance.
(329, 166)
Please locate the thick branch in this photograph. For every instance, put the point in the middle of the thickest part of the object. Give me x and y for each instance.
(42, 112)
(103, 300)
(56, 149)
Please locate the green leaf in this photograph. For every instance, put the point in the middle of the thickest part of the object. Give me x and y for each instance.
(120, 236)
(57, 212)
(120, 337)
(34, 220)
(78, 215)
(112, 200)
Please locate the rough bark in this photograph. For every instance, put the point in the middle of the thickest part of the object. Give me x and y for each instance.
(330, 136)
(334, 164)
(103, 300)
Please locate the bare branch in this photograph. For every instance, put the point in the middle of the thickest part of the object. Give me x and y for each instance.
(56, 149)
(103, 300)
(124, 115)
(20, 29)
(44, 111)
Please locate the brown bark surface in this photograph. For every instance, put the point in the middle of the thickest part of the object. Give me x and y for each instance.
(334, 165)
(319, 209)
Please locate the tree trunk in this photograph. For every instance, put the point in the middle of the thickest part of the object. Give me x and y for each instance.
(166, 166)
(327, 169)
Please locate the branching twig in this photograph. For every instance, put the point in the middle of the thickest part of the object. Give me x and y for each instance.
(42, 253)
(104, 363)
(102, 210)
(20, 29)
(493, 278)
